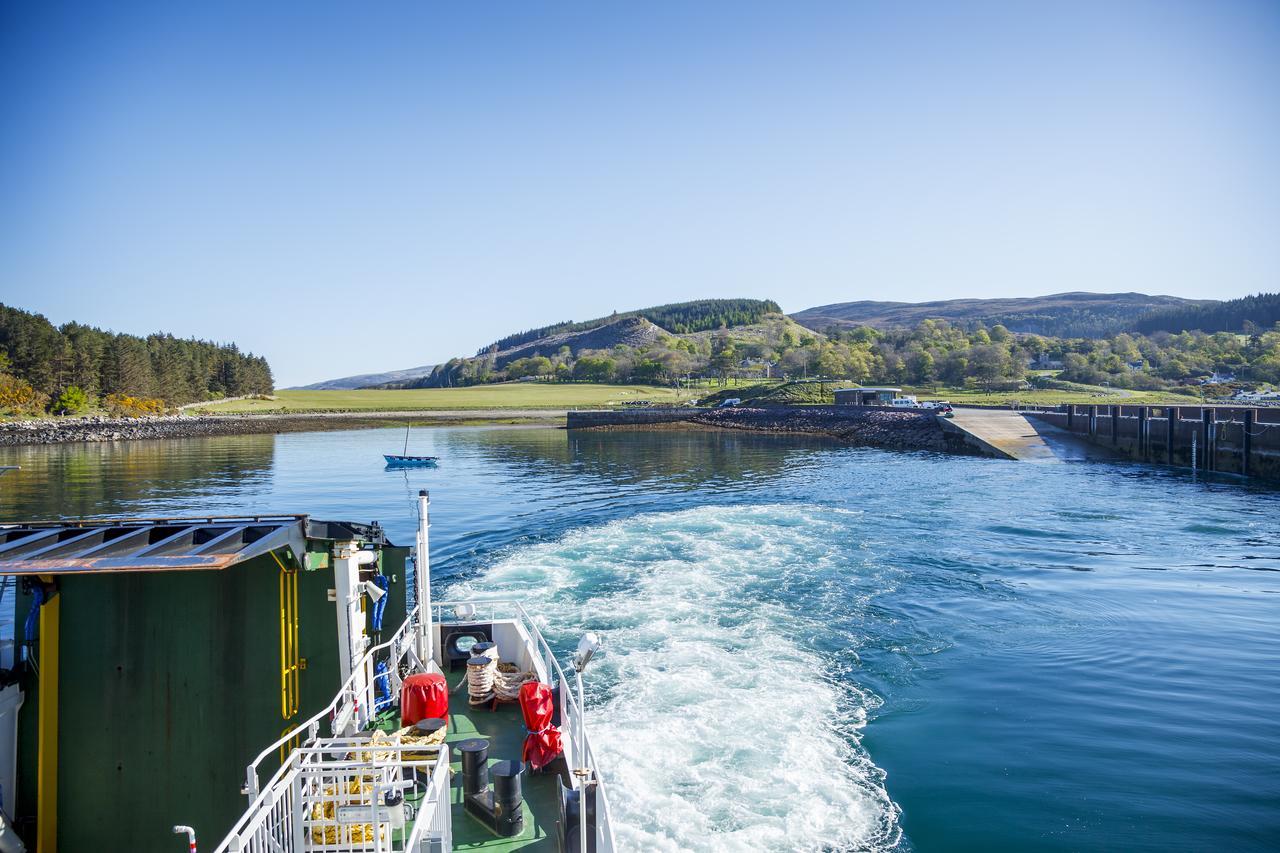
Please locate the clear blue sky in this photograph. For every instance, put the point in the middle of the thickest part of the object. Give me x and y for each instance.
(357, 187)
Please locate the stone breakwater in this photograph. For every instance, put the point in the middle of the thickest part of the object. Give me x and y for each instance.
(96, 429)
(127, 429)
(863, 425)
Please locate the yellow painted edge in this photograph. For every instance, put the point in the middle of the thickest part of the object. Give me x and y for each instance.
(47, 728)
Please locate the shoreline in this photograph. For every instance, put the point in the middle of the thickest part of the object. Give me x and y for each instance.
(104, 429)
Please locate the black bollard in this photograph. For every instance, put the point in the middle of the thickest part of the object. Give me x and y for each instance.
(475, 765)
(507, 798)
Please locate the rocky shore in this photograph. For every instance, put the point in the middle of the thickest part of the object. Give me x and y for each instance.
(97, 429)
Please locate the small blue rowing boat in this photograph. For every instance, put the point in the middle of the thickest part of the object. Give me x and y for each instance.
(404, 460)
(410, 461)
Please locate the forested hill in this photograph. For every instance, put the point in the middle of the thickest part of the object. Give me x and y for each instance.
(1069, 315)
(681, 318)
(76, 367)
(1249, 314)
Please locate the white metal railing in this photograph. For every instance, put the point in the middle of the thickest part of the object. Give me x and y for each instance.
(331, 797)
(277, 820)
(355, 702)
(571, 718)
(438, 823)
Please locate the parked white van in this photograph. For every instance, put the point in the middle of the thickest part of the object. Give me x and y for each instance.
(904, 402)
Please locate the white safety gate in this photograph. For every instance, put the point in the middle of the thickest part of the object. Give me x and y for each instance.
(352, 795)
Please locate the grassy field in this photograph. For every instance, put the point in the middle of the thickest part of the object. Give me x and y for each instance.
(821, 392)
(508, 395)
(1047, 397)
(540, 395)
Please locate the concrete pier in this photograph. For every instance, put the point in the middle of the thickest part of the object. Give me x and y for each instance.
(1226, 439)
(1006, 434)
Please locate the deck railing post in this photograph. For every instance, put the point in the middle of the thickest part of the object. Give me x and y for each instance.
(1174, 415)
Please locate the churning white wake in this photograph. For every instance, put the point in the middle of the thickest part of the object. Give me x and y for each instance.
(717, 728)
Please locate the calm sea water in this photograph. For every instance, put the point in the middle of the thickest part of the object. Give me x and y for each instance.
(818, 647)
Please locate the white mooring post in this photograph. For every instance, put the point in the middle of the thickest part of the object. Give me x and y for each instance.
(422, 574)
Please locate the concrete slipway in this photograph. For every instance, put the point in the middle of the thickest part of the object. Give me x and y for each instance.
(1007, 434)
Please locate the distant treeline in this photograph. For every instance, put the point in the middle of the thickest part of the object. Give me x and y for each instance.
(682, 318)
(75, 362)
(1248, 315)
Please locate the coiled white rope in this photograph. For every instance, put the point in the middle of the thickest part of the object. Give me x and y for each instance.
(487, 681)
(480, 678)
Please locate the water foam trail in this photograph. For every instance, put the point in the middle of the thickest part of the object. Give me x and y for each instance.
(715, 724)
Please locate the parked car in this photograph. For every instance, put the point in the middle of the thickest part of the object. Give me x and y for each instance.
(940, 407)
(732, 401)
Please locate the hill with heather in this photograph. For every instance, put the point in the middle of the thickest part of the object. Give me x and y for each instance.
(1067, 315)
(679, 318)
(673, 335)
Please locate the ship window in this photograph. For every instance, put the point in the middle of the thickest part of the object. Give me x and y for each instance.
(462, 643)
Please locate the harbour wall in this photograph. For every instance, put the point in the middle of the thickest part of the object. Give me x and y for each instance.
(871, 426)
(94, 429)
(606, 418)
(99, 429)
(1234, 440)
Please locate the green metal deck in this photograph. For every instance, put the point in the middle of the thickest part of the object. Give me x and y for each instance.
(505, 731)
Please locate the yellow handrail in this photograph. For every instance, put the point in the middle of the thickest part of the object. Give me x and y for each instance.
(290, 661)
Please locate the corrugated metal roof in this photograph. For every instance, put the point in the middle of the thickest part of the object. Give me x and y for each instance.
(157, 544)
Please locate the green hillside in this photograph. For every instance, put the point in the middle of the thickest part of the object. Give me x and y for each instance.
(679, 317)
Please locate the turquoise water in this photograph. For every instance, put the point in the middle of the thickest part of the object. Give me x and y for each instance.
(818, 647)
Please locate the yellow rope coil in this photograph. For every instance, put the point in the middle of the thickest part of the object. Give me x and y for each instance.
(326, 812)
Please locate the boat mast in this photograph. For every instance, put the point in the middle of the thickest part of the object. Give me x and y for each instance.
(422, 571)
(406, 439)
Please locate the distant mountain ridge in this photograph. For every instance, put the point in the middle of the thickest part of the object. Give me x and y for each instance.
(366, 380)
(1075, 314)
(1070, 315)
